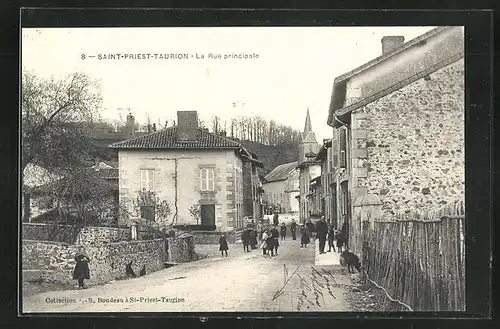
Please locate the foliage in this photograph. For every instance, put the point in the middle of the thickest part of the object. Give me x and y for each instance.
(162, 208)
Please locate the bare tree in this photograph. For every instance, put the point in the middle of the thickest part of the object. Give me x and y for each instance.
(55, 117)
(216, 124)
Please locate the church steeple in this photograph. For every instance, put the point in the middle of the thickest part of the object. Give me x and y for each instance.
(307, 126)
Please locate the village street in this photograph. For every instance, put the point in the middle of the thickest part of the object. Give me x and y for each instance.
(298, 279)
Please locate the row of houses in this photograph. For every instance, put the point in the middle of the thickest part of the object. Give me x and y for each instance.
(397, 132)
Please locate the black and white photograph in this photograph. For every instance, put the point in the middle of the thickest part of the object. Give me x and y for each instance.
(242, 169)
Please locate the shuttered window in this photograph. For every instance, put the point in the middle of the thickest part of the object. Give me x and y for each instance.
(335, 150)
(343, 147)
(207, 181)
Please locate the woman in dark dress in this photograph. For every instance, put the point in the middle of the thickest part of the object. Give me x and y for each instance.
(253, 239)
(304, 240)
(223, 245)
(81, 271)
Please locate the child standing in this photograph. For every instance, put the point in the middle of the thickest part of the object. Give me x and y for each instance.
(263, 245)
(81, 271)
(223, 245)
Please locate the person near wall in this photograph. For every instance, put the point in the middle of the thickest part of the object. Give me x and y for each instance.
(283, 231)
(275, 219)
(81, 271)
(321, 232)
(293, 229)
(304, 239)
(223, 245)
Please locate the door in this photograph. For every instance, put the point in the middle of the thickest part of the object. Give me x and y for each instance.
(345, 211)
(208, 216)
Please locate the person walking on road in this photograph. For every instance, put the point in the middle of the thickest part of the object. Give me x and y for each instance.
(270, 243)
(81, 271)
(331, 237)
(293, 228)
(310, 228)
(283, 231)
(245, 238)
(304, 239)
(263, 245)
(275, 235)
(253, 239)
(223, 245)
(321, 232)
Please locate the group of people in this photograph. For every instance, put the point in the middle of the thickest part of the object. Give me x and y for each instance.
(270, 237)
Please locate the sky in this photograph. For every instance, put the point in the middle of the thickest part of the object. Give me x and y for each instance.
(294, 69)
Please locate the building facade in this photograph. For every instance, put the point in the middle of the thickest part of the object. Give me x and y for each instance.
(308, 167)
(327, 182)
(252, 189)
(281, 187)
(187, 167)
(398, 127)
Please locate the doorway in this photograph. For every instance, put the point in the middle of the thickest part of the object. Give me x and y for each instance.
(208, 216)
(345, 210)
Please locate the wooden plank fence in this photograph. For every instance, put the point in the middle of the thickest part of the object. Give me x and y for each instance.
(419, 262)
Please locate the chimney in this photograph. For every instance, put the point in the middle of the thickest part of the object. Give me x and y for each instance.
(187, 126)
(130, 125)
(391, 42)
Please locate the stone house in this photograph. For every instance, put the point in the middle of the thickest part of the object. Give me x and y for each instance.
(281, 187)
(308, 167)
(325, 157)
(398, 126)
(186, 166)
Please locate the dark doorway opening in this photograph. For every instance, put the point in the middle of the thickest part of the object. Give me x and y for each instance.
(208, 216)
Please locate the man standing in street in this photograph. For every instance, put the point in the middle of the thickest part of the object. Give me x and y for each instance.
(283, 231)
(321, 232)
(275, 219)
(275, 235)
(293, 228)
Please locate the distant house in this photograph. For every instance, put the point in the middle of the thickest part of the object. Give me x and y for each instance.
(398, 126)
(252, 188)
(187, 166)
(281, 186)
(33, 177)
(308, 167)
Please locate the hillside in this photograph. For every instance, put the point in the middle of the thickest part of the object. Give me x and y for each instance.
(272, 156)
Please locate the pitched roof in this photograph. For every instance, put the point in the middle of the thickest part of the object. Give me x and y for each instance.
(336, 107)
(281, 172)
(167, 139)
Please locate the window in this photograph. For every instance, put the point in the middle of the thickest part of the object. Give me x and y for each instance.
(343, 148)
(147, 179)
(207, 179)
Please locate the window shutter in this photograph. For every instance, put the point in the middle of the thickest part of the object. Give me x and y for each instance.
(343, 148)
(335, 151)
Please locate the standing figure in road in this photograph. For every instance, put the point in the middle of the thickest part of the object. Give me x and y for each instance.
(283, 231)
(253, 239)
(223, 245)
(81, 271)
(304, 239)
(310, 228)
(245, 238)
(293, 228)
(321, 232)
(270, 243)
(275, 235)
(263, 245)
(276, 219)
(331, 237)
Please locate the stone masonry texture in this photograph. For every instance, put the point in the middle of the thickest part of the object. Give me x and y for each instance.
(415, 143)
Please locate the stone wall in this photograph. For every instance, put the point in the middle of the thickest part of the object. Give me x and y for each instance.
(408, 147)
(211, 237)
(55, 261)
(44, 232)
(67, 234)
(181, 249)
(100, 235)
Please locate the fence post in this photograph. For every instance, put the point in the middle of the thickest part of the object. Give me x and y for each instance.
(367, 210)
